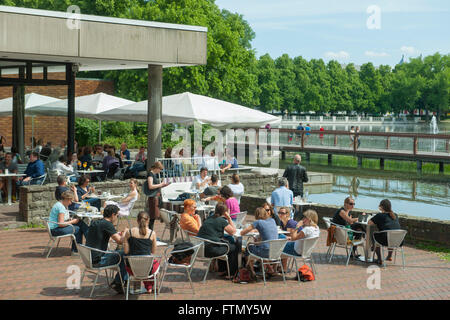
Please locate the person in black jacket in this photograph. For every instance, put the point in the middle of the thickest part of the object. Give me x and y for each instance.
(296, 175)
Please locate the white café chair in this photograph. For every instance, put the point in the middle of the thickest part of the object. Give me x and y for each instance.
(188, 268)
(394, 241)
(240, 218)
(327, 221)
(308, 246)
(201, 253)
(166, 217)
(86, 257)
(275, 250)
(343, 241)
(53, 238)
(141, 266)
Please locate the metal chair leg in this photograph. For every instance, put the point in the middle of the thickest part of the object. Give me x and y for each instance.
(128, 289)
(207, 270)
(282, 272)
(47, 247)
(93, 287)
(264, 271)
(190, 281)
(228, 268)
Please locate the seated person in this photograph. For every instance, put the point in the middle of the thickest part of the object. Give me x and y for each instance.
(212, 189)
(213, 229)
(16, 158)
(141, 241)
(60, 215)
(236, 186)
(190, 221)
(86, 157)
(210, 161)
(98, 155)
(124, 152)
(229, 162)
(99, 233)
(386, 219)
(110, 164)
(8, 163)
(287, 224)
(139, 164)
(202, 180)
(127, 203)
(62, 187)
(85, 192)
(343, 218)
(267, 231)
(305, 229)
(45, 152)
(61, 166)
(34, 170)
(268, 207)
(226, 196)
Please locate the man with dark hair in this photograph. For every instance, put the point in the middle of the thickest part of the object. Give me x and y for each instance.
(62, 187)
(35, 169)
(202, 180)
(213, 188)
(100, 231)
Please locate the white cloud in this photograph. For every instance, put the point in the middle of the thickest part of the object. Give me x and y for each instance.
(374, 54)
(341, 55)
(408, 50)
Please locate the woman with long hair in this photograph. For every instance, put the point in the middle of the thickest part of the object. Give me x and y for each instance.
(213, 229)
(141, 241)
(128, 201)
(386, 219)
(154, 191)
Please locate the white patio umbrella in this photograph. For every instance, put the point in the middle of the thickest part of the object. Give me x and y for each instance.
(85, 106)
(31, 100)
(187, 108)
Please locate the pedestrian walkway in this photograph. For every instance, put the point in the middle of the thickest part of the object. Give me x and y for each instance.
(26, 274)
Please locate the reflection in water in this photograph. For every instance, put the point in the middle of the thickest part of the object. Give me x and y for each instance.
(412, 197)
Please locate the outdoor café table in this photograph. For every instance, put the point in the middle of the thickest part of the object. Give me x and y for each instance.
(90, 215)
(175, 203)
(252, 234)
(369, 229)
(300, 204)
(203, 208)
(10, 176)
(90, 171)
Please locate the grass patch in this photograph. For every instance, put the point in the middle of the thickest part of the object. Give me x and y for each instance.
(442, 251)
(32, 225)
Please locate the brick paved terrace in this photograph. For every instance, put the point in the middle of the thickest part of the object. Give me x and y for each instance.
(26, 274)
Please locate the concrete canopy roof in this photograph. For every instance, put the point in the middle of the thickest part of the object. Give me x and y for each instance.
(100, 43)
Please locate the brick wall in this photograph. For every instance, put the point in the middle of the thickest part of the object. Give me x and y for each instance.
(52, 129)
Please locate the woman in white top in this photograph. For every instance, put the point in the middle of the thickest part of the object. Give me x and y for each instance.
(126, 204)
(237, 187)
(306, 228)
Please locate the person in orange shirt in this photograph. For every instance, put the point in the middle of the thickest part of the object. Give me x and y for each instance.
(190, 221)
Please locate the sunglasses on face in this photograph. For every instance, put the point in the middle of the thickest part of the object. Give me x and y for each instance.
(351, 203)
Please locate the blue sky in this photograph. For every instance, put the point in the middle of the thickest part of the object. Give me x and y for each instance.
(340, 30)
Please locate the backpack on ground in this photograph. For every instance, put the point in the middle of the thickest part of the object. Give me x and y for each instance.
(182, 257)
(244, 275)
(305, 273)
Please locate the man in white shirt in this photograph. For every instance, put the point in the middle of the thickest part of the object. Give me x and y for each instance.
(201, 181)
(61, 167)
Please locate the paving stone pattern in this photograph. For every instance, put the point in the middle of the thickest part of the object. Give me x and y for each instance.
(26, 274)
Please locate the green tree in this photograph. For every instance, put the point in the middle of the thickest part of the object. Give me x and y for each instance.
(269, 97)
(286, 82)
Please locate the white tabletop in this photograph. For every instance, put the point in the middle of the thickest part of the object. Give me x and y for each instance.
(108, 197)
(90, 171)
(12, 175)
(253, 234)
(301, 203)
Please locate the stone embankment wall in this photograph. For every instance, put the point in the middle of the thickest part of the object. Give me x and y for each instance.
(36, 201)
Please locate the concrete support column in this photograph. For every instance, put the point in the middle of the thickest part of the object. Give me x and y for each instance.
(19, 119)
(419, 166)
(154, 114)
(283, 155)
(70, 75)
(330, 159)
(441, 167)
(381, 163)
(308, 157)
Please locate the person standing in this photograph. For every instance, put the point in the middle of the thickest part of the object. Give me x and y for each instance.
(357, 137)
(307, 129)
(296, 175)
(352, 136)
(282, 196)
(152, 189)
(321, 135)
